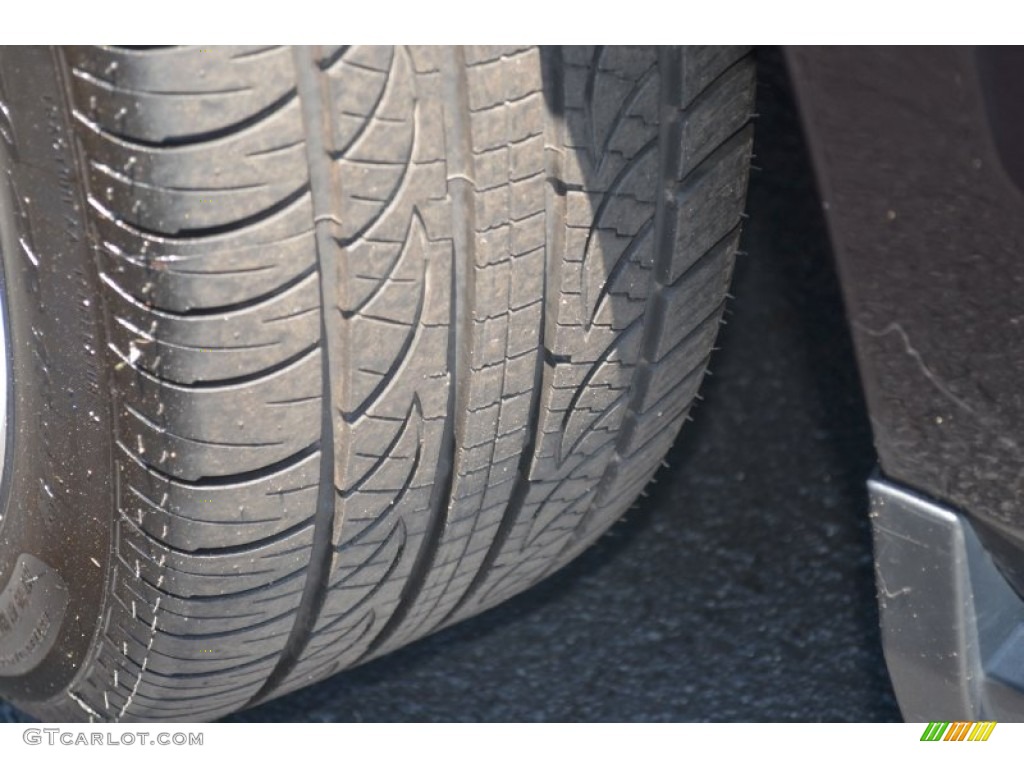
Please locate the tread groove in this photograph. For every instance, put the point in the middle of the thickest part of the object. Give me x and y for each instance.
(517, 498)
(460, 190)
(178, 142)
(318, 571)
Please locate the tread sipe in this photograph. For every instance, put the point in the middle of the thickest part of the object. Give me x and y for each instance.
(389, 334)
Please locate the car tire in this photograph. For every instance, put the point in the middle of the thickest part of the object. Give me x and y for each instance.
(313, 352)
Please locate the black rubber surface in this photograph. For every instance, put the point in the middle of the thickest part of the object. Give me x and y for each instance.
(387, 335)
(741, 588)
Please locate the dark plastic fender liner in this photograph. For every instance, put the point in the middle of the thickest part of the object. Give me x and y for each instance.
(923, 201)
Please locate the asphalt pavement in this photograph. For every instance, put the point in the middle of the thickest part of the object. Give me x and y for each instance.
(741, 587)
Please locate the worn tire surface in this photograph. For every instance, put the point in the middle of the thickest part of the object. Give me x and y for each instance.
(316, 351)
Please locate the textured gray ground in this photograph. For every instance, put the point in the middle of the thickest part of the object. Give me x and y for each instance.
(741, 587)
